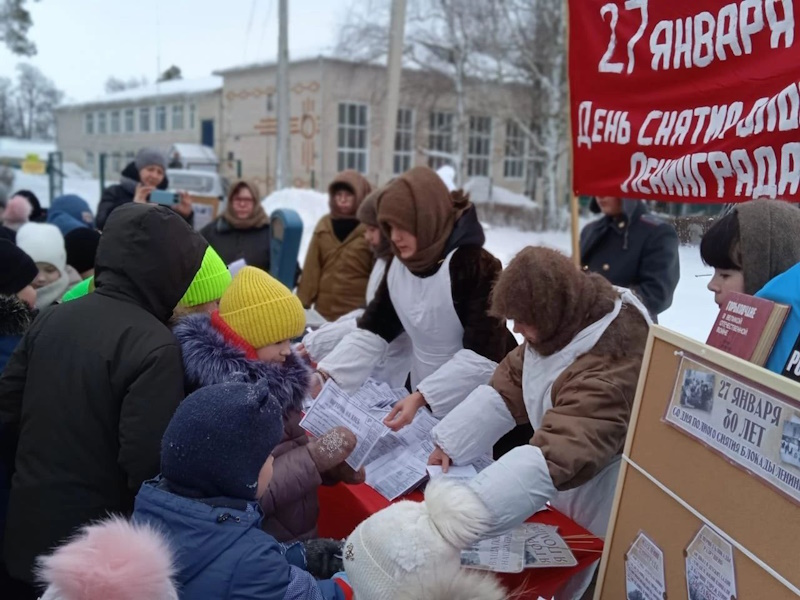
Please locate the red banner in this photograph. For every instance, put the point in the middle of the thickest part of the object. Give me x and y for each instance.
(685, 100)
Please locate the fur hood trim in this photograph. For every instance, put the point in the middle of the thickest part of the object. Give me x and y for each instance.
(15, 316)
(111, 559)
(208, 359)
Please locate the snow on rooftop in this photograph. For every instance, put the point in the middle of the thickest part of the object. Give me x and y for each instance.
(176, 87)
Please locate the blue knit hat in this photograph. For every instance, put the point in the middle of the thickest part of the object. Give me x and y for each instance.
(219, 438)
(69, 212)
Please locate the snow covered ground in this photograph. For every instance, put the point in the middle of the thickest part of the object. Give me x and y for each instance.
(693, 309)
(88, 189)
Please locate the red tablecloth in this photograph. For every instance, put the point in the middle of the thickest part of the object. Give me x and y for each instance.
(343, 507)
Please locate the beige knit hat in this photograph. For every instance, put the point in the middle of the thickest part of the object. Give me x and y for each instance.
(260, 309)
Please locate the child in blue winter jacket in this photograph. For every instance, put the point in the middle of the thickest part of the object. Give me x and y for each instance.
(216, 462)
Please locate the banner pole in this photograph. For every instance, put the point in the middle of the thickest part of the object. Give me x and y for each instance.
(573, 199)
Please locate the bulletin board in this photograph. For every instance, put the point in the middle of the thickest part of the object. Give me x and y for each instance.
(673, 487)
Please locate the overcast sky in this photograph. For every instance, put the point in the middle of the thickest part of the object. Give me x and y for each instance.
(83, 42)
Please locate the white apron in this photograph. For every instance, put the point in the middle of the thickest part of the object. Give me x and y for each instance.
(590, 504)
(425, 308)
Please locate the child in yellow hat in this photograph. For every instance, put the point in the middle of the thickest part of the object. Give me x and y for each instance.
(249, 340)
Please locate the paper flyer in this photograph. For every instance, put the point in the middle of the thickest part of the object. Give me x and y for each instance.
(644, 570)
(710, 573)
(331, 409)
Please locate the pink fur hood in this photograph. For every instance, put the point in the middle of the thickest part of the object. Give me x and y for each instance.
(110, 560)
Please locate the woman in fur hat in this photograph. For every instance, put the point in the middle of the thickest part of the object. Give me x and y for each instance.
(573, 380)
(437, 291)
(248, 339)
(395, 367)
(754, 250)
(339, 261)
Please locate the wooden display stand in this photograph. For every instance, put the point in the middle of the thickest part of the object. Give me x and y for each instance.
(671, 485)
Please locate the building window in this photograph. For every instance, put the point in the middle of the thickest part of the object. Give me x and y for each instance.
(101, 122)
(130, 156)
(130, 120)
(89, 162)
(270, 102)
(144, 120)
(114, 121)
(440, 139)
(514, 162)
(479, 149)
(89, 123)
(161, 118)
(177, 117)
(404, 141)
(116, 161)
(353, 142)
(191, 116)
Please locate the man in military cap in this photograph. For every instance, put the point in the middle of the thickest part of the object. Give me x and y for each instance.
(634, 249)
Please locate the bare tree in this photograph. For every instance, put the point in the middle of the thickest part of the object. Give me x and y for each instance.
(528, 45)
(7, 109)
(36, 98)
(115, 84)
(15, 21)
(443, 38)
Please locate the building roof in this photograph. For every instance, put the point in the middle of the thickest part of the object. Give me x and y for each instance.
(176, 87)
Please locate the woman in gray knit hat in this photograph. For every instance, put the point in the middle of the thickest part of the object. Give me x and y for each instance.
(146, 173)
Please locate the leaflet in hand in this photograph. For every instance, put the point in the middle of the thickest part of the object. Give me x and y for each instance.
(333, 408)
(454, 472)
(397, 464)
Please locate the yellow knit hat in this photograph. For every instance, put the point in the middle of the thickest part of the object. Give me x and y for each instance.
(260, 309)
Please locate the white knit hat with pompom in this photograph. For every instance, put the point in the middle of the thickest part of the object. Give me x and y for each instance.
(406, 549)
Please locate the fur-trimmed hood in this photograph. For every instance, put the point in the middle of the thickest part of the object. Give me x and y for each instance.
(208, 359)
(15, 316)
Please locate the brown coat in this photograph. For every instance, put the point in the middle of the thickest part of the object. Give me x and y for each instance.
(592, 401)
(335, 274)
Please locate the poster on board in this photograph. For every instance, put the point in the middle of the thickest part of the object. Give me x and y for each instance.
(756, 430)
(710, 573)
(686, 100)
(644, 570)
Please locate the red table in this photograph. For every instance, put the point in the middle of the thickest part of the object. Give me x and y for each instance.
(343, 507)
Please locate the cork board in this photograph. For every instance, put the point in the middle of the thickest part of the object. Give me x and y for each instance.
(763, 521)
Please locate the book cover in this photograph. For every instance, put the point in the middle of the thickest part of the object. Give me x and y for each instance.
(741, 324)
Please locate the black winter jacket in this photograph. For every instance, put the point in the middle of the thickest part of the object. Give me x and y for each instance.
(253, 245)
(93, 384)
(634, 250)
(122, 193)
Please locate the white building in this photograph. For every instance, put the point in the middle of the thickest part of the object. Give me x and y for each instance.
(120, 123)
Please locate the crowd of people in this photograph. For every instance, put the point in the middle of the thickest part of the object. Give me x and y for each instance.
(141, 379)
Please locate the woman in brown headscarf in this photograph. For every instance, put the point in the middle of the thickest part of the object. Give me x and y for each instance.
(339, 260)
(436, 290)
(242, 231)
